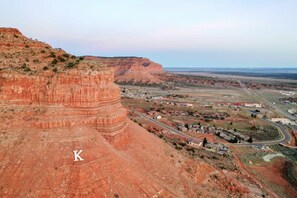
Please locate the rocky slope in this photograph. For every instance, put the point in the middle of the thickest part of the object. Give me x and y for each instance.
(132, 69)
(64, 133)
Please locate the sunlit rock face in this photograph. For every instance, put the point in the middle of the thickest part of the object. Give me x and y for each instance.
(132, 69)
(71, 98)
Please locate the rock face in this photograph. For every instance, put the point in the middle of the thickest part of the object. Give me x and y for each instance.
(72, 98)
(76, 95)
(132, 69)
(64, 133)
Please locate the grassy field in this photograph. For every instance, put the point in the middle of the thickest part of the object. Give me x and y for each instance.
(274, 96)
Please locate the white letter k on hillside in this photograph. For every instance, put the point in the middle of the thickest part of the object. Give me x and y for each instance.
(76, 155)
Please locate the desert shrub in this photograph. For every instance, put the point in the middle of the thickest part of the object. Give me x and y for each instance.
(27, 69)
(27, 46)
(73, 57)
(15, 36)
(45, 68)
(178, 148)
(66, 55)
(52, 54)
(207, 119)
(55, 61)
(81, 58)
(182, 144)
(35, 61)
(61, 59)
(42, 51)
(55, 70)
(70, 65)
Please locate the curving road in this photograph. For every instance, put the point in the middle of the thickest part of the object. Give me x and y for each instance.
(285, 136)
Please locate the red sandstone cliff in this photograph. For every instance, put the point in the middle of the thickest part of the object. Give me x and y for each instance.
(132, 69)
(51, 109)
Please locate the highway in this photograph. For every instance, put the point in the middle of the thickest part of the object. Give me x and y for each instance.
(286, 137)
(266, 102)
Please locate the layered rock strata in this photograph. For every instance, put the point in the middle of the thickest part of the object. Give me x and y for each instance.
(72, 98)
(132, 69)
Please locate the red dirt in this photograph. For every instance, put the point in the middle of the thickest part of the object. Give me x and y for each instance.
(294, 139)
(273, 173)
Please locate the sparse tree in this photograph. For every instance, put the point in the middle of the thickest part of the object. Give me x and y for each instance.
(204, 142)
(250, 140)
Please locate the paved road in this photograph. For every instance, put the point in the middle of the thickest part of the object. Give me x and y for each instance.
(244, 87)
(168, 128)
(285, 136)
(266, 102)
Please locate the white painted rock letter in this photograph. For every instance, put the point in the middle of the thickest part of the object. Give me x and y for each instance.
(76, 155)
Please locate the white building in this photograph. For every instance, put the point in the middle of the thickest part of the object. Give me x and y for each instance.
(255, 105)
(158, 117)
(284, 121)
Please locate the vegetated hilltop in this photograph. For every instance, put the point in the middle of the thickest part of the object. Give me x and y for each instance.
(132, 69)
(26, 56)
(51, 112)
(290, 172)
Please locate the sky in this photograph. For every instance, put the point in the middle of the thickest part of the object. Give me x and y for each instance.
(174, 33)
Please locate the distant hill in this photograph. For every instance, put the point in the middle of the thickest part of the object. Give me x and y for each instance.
(131, 69)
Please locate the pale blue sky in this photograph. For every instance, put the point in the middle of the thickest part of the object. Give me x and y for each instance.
(175, 33)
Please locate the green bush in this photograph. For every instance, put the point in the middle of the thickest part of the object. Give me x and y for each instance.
(52, 54)
(66, 55)
(45, 68)
(61, 59)
(27, 69)
(55, 61)
(55, 70)
(70, 65)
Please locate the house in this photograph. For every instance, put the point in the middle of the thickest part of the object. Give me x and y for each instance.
(182, 128)
(255, 105)
(158, 117)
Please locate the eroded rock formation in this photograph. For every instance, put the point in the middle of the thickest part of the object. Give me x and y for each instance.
(132, 69)
(80, 94)
(71, 98)
(64, 133)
